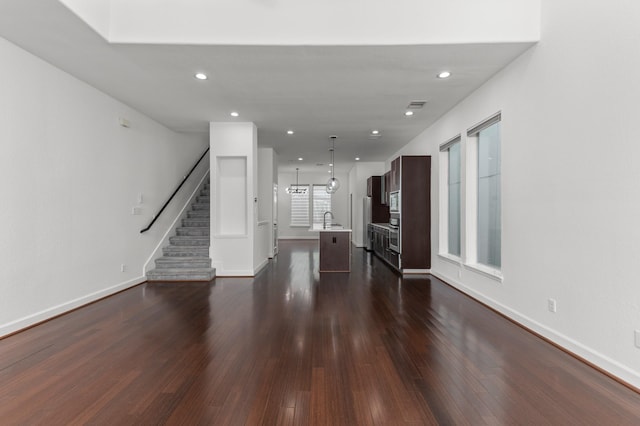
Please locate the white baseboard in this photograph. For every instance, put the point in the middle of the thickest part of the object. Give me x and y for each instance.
(38, 317)
(261, 266)
(416, 271)
(230, 273)
(607, 364)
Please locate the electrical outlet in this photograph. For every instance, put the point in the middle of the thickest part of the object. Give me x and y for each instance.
(551, 304)
(637, 338)
(123, 267)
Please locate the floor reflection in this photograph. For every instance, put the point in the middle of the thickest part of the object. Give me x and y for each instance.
(293, 346)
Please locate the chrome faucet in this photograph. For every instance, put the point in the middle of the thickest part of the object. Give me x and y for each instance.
(324, 220)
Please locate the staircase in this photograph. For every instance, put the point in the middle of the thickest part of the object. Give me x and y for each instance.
(186, 258)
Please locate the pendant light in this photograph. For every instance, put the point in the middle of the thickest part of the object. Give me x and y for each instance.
(333, 184)
(295, 189)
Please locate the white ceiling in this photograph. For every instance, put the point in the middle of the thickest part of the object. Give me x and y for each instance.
(317, 91)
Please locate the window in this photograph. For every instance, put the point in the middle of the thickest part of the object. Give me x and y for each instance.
(487, 215)
(321, 202)
(451, 187)
(314, 196)
(300, 206)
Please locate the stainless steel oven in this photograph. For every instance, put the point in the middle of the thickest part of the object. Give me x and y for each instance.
(394, 238)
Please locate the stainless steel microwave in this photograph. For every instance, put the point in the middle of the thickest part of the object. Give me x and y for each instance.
(394, 202)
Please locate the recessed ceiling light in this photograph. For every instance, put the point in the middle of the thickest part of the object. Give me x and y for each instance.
(234, 114)
(328, 171)
(290, 132)
(300, 158)
(408, 113)
(330, 164)
(357, 158)
(200, 76)
(375, 132)
(444, 74)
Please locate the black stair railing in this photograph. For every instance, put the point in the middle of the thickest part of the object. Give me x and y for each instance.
(157, 215)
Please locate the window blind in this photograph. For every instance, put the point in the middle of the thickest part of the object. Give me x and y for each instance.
(321, 202)
(300, 206)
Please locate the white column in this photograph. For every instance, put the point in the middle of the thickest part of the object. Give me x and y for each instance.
(233, 200)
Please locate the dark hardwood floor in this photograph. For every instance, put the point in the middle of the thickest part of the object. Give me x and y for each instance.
(295, 347)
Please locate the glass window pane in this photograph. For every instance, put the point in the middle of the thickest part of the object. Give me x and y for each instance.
(489, 197)
(453, 230)
(321, 202)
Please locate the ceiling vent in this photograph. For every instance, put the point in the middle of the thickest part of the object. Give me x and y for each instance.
(416, 104)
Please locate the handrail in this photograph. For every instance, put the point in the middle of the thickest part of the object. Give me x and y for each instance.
(174, 193)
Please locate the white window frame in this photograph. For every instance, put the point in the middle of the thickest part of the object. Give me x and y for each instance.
(471, 200)
(444, 201)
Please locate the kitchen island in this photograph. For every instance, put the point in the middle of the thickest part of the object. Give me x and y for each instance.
(335, 248)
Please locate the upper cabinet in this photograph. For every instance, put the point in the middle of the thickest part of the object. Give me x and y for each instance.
(394, 175)
(379, 210)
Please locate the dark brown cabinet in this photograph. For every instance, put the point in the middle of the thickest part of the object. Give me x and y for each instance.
(414, 182)
(411, 176)
(379, 211)
(335, 251)
(380, 245)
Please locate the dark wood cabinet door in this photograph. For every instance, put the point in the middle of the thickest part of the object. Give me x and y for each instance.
(379, 211)
(335, 252)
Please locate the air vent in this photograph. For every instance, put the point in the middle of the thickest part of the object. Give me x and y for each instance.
(375, 136)
(416, 104)
(319, 164)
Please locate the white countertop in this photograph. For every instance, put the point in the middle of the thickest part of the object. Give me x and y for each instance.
(317, 227)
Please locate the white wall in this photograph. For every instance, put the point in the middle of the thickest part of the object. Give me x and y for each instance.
(339, 203)
(69, 178)
(96, 13)
(234, 192)
(570, 173)
(358, 176)
(330, 22)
